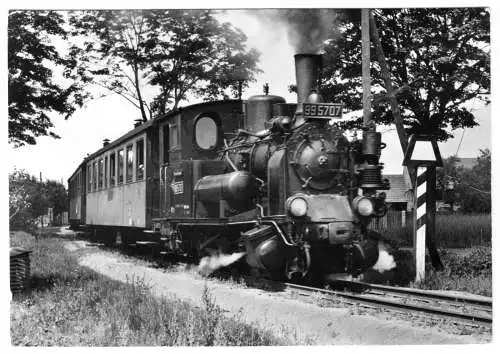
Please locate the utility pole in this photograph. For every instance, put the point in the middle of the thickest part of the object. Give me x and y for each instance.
(365, 65)
(391, 97)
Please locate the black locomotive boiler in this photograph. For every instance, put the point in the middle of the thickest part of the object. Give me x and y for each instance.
(274, 181)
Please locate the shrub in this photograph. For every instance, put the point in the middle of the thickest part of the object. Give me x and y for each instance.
(471, 272)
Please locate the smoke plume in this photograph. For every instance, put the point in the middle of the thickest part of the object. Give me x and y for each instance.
(385, 260)
(308, 30)
(211, 263)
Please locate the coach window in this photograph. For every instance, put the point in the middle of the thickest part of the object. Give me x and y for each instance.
(78, 182)
(94, 180)
(112, 169)
(130, 164)
(101, 173)
(206, 133)
(139, 162)
(120, 166)
(89, 178)
(106, 171)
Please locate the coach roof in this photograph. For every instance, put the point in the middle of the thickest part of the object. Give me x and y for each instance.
(150, 123)
(123, 138)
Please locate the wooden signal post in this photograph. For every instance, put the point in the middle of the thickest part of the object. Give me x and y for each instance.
(423, 153)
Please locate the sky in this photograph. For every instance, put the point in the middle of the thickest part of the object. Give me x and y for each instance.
(112, 116)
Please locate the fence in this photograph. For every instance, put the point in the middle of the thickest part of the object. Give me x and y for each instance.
(394, 219)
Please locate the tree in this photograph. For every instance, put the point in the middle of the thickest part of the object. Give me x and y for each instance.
(18, 193)
(474, 187)
(447, 178)
(180, 52)
(33, 94)
(57, 196)
(193, 53)
(27, 199)
(438, 60)
(30, 198)
(469, 188)
(113, 54)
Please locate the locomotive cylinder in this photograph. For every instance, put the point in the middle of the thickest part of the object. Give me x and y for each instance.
(236, 188)
(307, 74)
(259, 110)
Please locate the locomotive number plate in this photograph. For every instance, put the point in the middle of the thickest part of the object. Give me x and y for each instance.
(177, 187)
(322, 110)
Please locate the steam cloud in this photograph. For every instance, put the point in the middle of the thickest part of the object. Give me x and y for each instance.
(385, 260)
(308, 30)
(211, 263)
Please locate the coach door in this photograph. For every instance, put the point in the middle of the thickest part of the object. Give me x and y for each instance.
(164, 160)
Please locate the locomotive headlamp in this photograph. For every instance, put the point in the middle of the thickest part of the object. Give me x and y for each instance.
(297, 206)
(363, 205)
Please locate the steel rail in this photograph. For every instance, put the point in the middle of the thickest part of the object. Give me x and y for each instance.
(431, 294)
(397, 305)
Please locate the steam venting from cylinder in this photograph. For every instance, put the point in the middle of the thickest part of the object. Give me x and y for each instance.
(211, 263)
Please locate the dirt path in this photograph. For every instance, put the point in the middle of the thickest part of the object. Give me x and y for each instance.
(316, 325)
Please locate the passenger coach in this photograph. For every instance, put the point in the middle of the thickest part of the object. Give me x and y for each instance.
(119, 189)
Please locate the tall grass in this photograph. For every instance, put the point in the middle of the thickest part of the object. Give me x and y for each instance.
(471, 272)
(71, 305)
(452, 231)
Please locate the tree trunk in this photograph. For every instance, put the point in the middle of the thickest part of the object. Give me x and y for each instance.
(386, 75)
(139, 95)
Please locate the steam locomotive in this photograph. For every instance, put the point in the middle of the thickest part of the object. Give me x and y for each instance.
(273, 181)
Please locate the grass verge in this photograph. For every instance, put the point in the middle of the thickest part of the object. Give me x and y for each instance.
(452, 231)
(470, 272)
(71, 305)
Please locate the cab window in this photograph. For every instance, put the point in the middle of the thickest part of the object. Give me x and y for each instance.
(166, 144)
(175, 133)
(206, 133)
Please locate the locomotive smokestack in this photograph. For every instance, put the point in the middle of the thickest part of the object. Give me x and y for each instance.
(307, 73)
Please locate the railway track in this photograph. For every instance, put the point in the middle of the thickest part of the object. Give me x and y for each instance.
(475, 311)
(470, 310)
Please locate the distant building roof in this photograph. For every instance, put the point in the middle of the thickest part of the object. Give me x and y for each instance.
(467, 162)
(400, 184)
